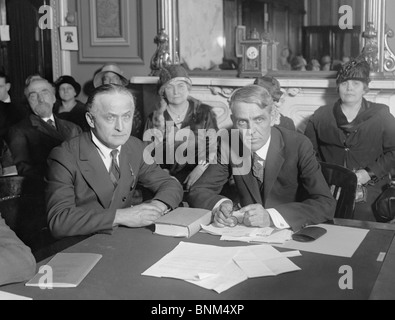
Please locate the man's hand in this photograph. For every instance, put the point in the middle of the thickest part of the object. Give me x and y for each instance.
(392, 222)
(223, 215)
(363, 177)
(139, 216)
(256, 215)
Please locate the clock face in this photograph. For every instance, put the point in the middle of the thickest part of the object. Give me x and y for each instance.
(252, 53)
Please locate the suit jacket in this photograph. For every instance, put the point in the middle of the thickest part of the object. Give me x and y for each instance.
(293, 182)
(32, 140)
(80, 196)
(17, 263)
(10, 114)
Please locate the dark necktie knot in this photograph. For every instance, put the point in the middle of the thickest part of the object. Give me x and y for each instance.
(258, 167)
(51, 123)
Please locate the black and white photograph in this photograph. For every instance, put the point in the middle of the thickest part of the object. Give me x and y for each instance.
(197, 157)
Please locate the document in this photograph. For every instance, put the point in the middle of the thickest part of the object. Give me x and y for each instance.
(338, 241)
(220, 268)
(250, 235)
(67, 270)
(5, 296)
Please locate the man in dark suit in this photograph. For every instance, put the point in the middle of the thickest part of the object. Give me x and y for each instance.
(17, 263)
(10, 113)
(91, 178)
(32, 139)
(279, 181)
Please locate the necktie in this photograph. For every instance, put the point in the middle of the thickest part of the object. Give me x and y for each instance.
(51, 123)
(257, 167)
(115, 172)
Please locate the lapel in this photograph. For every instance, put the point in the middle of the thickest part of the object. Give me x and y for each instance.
(129, 168)
(44, 127)
(274, 162)
(94, 171)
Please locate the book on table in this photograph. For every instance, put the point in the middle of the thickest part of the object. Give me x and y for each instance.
(65, 270)
(182, 222)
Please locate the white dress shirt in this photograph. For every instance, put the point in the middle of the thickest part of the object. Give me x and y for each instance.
(105, 152)
(278, 220)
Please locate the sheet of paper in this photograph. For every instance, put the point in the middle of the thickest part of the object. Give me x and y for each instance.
(338, 241)
(187, 261)
(230, 276)
(238, 231)
(5, 296)
(277, 237)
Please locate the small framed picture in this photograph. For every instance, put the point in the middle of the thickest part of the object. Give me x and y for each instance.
(69, 38)
(240, 36)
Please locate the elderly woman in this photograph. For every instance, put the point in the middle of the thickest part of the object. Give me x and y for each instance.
(68, 107)
(357, 134)
(179, 111)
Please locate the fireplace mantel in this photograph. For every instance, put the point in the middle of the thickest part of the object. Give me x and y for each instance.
(303, 95)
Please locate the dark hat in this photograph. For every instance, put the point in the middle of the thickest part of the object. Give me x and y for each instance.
(69, 80)
(171, 74)
(271, 85)
(357, 69)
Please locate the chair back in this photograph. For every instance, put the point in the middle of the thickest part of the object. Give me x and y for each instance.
(343, 184)
(22, 206)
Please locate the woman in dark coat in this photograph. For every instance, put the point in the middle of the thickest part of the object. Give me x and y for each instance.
(180, 111)
(357, 134)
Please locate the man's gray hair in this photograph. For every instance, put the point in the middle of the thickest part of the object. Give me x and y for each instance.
(28, 84)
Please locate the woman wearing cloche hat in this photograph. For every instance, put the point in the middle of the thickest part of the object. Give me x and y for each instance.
(357, 134)
(68, 107)
(182, 111)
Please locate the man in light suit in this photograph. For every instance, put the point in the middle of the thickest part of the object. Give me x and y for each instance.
(282, 186)
(17, 263)
(91, 178)
(32, 139)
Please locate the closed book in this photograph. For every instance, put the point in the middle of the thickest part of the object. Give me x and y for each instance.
(182, 222)
(65, 270)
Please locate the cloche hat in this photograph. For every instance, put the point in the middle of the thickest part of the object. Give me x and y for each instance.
(109, 67)
(356, 69)
(171, 74)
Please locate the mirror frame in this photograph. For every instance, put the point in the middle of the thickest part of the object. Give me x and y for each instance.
(375, 34)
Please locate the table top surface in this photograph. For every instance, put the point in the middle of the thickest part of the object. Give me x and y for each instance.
(129, 252)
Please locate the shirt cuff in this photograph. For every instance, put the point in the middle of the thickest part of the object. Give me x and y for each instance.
(221, 202)
(278, 220)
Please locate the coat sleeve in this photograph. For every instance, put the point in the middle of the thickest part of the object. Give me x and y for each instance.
(383, 165)
(319, 205)
(17, 263)
(311, 133)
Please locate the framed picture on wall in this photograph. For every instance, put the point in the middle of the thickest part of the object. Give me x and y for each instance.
(69, 38)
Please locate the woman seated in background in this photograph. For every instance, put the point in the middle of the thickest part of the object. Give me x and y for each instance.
(17, 263)
(68, 107)
(357, 134)
(178, 111)
(272, 85)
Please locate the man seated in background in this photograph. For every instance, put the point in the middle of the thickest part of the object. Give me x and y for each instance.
(280, 182)
(17, 263)
(32, 139)
(91, 178)
(10, 113)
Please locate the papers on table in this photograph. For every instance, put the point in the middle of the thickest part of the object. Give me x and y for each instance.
(338, 241)
(218, 268)
(5, 296)
(250, 235)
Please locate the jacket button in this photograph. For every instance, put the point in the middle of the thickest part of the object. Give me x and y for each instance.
(124, 199)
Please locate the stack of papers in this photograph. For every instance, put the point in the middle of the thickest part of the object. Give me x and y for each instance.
(249, 235)
(218, 268)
